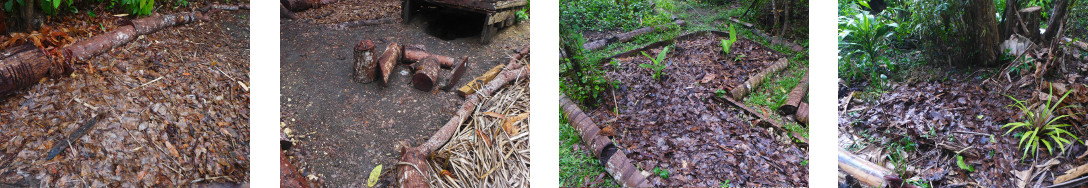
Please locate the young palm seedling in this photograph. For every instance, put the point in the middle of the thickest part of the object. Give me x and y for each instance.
(1040, 125)
(727, 45)
(659, 64)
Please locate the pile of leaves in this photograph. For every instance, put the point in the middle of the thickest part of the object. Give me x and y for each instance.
(352, 10)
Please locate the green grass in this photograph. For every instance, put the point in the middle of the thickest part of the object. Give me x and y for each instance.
(575, 167)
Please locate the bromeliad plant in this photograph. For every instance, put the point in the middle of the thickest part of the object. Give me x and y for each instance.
(1041, 126)
(659, 64)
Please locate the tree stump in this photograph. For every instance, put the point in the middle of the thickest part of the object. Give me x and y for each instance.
(426, 74)
(388, 60)
(366, 70)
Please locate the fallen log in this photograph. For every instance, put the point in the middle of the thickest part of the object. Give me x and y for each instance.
(73, 137)
(793, 100)
(388, 60)
(471, 86)
(426, 75)
(624, 37)
(26, 68)
(365, 68)
(868, 172)
(741, 91)
(745, 24)
(802, 114)
(415, 53)
(614, 161)
(455, 75)
(411, 171)
(300, 5)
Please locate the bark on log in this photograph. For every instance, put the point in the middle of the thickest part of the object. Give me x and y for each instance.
(388, 61)
(615, 162)
(455, 75)
(426, 76)
(740, 91)
(802, 114)
(624, 37)
(793, 101)
(289, 176)
(28, 67)
(366, 69)
(864, 171)
(411, 172)
(473, 85)
(414, 54)
(300, 5)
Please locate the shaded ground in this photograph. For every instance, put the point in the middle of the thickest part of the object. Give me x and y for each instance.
(929, 122)
(673, 125)
(175, 111)
(343, 129)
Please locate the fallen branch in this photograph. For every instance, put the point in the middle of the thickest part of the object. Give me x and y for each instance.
(473, 85)
(614, 161)
(742, 90)
(793, 101)
(407, 175)
(73, 137)
(868, 172)
(624, 37)
(800, 140)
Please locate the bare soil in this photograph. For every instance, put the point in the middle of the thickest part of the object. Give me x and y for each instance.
(672, 123)
(344, 129)
(175, 112)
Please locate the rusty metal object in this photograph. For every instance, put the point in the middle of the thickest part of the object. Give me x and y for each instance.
(614, 161)
(366, 69)
(739, 92)
(624, 37)
(388, 60)
(793, 100)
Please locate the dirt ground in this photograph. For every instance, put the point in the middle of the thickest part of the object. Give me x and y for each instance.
(940, 117)
(672, 124)
(343, 129)
(173, 107)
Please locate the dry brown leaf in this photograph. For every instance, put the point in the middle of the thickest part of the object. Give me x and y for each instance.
(708, 78)
(173, 150)
(508, 124)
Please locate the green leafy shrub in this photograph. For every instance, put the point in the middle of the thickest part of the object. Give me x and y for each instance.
(659, 65)
(580, 79)
(862, 40)
(664, 174)
(53, 7)
(1041, 126)
(603, 15)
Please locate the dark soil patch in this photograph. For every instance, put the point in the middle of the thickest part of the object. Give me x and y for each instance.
(343, 128)
(943, 117)
(672, 123)
(174, 111)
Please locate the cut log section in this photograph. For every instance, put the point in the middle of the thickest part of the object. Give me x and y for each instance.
(366, 69)
(794, 99)
(624, 37)
(411, 171)
(615, 162)
(426, 76)
(739, 92)
(868, 172)
(416, 53)
(26, 68)
(802, 114)
(455, 75)
(388, 60)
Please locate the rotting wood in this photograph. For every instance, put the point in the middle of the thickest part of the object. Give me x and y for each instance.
(300, 5)
(802, 114)
(455, 75)
(26, 68)
(471, 86)
(289, 175)
(73, 137)
(614, 161)
(426, 76)
(366, 69)
(388, 60)
(793, 101)
(416, 53)
(230, 7)
(412, 168)
(868, 172)
(799, 140)
(739, 92)
(1072, 174)
(624, 37)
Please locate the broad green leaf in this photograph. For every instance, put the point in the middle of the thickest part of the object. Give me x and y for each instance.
(374, 176)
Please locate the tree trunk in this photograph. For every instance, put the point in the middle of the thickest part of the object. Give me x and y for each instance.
(793, 101)
(388, 61)
(366, 69)
(426, 75)
(739, 92)
(26, 68)
(413, 167)
(1057, 19)
(1030, 25)
(1009, 25)
(981, 32)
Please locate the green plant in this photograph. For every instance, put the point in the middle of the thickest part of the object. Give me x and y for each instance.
(719, 93)
(963, 165)
(658, 64)
(664, 174)
(581, 79)
(862, 40)
(725, 184)
(727, 45)
(1040, 125)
